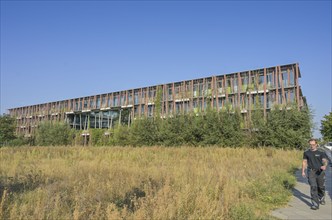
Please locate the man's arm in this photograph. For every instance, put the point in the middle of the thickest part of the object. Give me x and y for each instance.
(324, 164)
(304, 167)
(324, 160)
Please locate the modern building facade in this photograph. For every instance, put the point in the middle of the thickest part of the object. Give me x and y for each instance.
(245, 90)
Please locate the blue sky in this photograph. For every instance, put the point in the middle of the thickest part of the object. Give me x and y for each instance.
(57, 50)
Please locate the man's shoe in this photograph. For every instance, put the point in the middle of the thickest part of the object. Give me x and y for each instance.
(314, 207)
(322, 202)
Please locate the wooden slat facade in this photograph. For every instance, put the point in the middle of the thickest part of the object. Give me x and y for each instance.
(277, 85)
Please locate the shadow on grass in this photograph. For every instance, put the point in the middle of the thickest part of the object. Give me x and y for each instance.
(20, 184)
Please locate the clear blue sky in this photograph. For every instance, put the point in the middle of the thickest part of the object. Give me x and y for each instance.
(57, 50)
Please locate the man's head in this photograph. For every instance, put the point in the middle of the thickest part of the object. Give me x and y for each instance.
(313, 143)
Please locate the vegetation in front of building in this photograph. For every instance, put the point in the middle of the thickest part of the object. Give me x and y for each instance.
(326, 127)
(7, 133)
(7, 129)
(280, 128)
(144, 183)
(53, 134)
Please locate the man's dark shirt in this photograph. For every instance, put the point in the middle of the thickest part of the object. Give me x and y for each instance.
(314, 158)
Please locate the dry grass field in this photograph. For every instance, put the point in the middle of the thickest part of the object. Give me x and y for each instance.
(144, 183)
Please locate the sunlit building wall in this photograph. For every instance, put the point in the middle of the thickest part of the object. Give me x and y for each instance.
(247, 90)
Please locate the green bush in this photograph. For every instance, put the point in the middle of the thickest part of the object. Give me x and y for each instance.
(53, 133)
(282, 128)
(121, 136)
(143, 132)
(20, 141)
(242, 211)
(7, 129)
(97, 137)
(273, 191)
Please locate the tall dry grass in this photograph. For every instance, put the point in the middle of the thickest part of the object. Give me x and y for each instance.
(143, 183)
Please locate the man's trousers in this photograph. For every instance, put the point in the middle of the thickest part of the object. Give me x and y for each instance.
(316, 180)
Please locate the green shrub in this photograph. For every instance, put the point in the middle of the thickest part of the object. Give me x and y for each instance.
(121, 136)
(242, 211)
(273, 191)
(20, 141)
(97, 137)
(53, 133)
(7, 129)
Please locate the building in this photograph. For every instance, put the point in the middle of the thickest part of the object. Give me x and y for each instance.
(245, 90)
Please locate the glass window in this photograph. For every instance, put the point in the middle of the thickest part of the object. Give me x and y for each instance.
(109, 100)
(177, 91)
(253, 100)
(150, 110)
(262, 100)
(200, 89)
(292, 95)
(220, 102)
(136, 111)
(236, 100)
(220, 87)
(285, 78)
(170, 92)
(170, 107)
(98, 102)
(230, 100)
(245, 103)
(91, 102)
(152, 93)
(143, 95)
(186, 107)
(261, 79)
(123, 99)
(188, 86)
(177, 108)
(268, 101)
(115, 100)
(280, 98)
(80, 105)
(235, 82)
(103, 101)
(142, 109)
(130, 98)
(71, 104)
(269, 79)
(244, 79)
(228, 82)
(85, 103)
(291, 77)
(136, 97)
(196, 90)
(195, 104)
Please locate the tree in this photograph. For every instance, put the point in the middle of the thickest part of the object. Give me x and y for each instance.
(52, 134)
(258, 128)
(211, 127)
(172, 131)
(7, 129)
(289, 127)
(121, 136)
(143, 132)
(326, 127)
(230, 128)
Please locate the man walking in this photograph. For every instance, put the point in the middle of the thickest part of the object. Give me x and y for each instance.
(315, 161)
